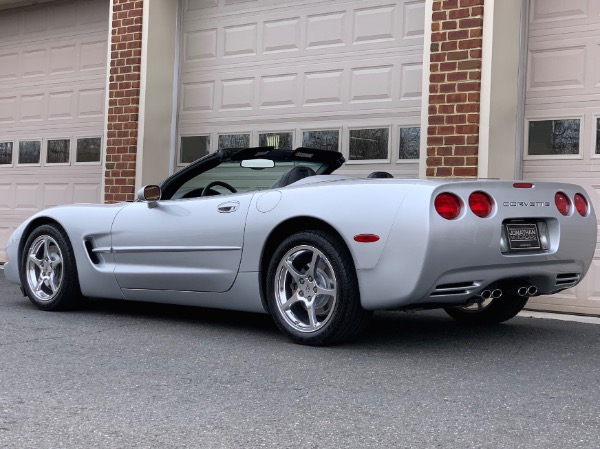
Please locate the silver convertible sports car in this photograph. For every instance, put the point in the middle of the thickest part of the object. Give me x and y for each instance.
(274, 231)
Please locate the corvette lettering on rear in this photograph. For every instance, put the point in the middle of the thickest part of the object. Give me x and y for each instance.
(526, 204)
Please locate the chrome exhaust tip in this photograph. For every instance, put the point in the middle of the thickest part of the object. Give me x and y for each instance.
(497, 293)
(532, 290)
(486, 294)
(522, 291)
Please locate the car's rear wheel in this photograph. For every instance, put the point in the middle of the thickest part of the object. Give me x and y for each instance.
(312, 290)
(48, 270)
(490, 311)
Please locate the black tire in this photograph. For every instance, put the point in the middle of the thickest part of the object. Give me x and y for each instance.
(497, 311)
(343, 318)
(48, 270)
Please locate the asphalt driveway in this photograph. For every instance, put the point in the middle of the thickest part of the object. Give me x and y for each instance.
(119, 375)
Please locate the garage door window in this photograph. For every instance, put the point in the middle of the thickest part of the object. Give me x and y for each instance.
(281, 141)
(192, 148)
(59, 151)
(89, 149)
(369, 144)
(410, 141)
(554, 137)
(29, 151)
(6, 149)
(324, 139)
(234, 141)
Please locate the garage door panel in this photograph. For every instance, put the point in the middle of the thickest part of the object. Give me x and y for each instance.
(6, 197)
(9, 65)
(28, 196)
(337, 28)
(286, 68)
(91, 103)
(8, 110)
(56, 194)
(557, 68)
(359, 84)
(53, 73)
(281, 35)
(61, 105)
(11, 23)
(374, 24)
(86, 192)
(547, 10)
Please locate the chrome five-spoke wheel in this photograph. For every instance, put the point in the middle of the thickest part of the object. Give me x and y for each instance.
(305, 288)
(48, 269)
(312, 289)
(44, 268)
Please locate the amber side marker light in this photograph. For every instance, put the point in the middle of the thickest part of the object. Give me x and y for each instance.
(366, 238)
(581, 204)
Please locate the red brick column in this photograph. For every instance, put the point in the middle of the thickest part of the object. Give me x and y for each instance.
(123, 100)
(454, 88)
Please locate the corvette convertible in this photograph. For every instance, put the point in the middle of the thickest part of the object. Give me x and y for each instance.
(275, 231)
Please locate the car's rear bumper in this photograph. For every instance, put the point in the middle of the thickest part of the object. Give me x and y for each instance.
(461, 285)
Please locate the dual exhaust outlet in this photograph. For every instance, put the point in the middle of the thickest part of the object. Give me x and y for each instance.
(524, 290)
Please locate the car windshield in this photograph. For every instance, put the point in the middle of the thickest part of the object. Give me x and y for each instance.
(242, 179)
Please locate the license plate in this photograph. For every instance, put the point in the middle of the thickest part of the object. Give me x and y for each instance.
(523, 236)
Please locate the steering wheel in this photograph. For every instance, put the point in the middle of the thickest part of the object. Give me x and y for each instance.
(217, 183)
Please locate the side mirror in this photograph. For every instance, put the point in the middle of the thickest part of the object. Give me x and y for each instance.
(150, 194)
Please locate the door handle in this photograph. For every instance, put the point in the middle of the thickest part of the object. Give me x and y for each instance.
(229, 206)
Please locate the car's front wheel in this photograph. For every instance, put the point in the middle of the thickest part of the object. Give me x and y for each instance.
(490, 311)
(48, 270)
(312, 290)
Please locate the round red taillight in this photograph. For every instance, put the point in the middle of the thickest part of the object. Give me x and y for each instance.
(581, 204)
(447, 205)
(563, 204)
(481, 204)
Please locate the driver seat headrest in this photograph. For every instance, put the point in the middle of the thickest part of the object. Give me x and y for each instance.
(292, 175)
(380, 174)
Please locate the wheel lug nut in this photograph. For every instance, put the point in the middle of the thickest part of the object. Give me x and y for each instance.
(315, 289)
(301, 293)
(302, 281)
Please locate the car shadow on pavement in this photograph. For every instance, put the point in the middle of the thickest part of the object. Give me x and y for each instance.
(391, 331)
(387, 329)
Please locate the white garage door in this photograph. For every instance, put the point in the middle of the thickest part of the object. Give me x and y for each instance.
(52, 83)
(562, 113)
(338, 74)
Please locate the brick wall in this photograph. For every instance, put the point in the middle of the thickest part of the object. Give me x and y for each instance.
(454, 88)
(123, 100)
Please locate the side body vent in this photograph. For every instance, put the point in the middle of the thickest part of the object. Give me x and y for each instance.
(89, 247)
(567, 279)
